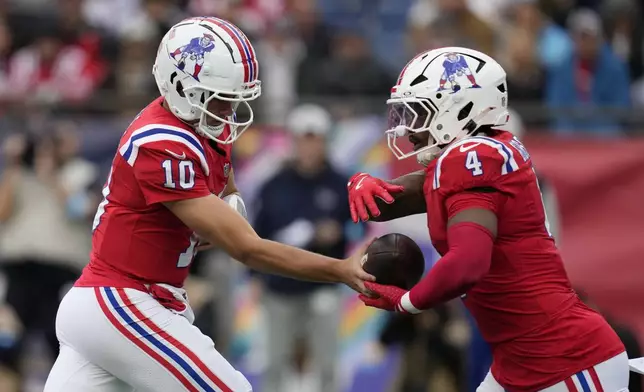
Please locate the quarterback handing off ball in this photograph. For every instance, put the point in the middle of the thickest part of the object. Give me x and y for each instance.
(396, 260)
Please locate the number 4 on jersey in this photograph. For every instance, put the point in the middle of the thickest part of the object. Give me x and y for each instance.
(473, 164)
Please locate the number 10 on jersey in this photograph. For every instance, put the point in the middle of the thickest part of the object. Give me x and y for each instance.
(185, 170)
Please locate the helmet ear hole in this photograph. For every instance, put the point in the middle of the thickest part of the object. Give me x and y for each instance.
(463, 113)
(180, 91)
(204, 96)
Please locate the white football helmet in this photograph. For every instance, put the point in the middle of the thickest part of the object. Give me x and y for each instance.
(206, 58)
(448, 92)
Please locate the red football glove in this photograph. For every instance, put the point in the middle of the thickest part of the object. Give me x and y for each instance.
(388, 297)
(363, 189)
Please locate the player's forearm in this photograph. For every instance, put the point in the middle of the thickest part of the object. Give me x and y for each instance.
(466, 262)
(223, 227)
(279, 259)
(410, 201)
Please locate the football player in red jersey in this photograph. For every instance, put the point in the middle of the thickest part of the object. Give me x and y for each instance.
(486, 218)
(126, 324)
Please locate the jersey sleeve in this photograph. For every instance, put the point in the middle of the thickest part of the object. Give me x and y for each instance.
(470, 164)
(168, 171)
(491, 201)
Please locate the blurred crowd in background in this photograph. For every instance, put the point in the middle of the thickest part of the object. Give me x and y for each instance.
(73, 73)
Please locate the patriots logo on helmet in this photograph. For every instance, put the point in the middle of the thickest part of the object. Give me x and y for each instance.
(455, 65)
(195, 51)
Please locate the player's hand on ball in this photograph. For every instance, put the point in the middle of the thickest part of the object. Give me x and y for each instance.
(386, 297)
(353, 275)
(363, 190)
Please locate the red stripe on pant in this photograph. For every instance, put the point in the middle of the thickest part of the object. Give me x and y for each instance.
(570, 384)
(595, 378)
(174, 342)
(130, 336)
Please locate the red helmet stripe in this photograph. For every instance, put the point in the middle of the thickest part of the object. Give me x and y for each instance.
(402, 73)
(243, 45)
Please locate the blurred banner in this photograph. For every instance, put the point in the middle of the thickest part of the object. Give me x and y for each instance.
(600, 188)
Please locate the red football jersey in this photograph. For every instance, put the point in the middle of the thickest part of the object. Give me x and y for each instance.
(136, 239)
(539, 331)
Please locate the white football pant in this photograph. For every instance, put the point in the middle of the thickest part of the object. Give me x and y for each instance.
(118, 340)
(608, 376)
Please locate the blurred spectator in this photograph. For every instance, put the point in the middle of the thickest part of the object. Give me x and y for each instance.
(155, 15)
(625, 33)
(133, 77)
(201, 291)
(552, 43)
(479, 357)
(420, 35)
(71, 18)
(432, 349)
(162, 14)
(97, 45)
(48, 71)
(452, 23)
(310, 28)
(211, 287)
(591, 76)
(223, 8)
(114, 16)
(560, 10)
(32, 6)
(5, 47)
(280, 53)
(351, 71)
(46, 202)
(525, 75)
(490, 11)
(304, 205)
(467, 29)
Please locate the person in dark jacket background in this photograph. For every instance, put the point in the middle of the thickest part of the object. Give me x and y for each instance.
(589, 77)
(303, 205)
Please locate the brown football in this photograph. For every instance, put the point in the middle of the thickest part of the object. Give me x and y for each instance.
(395, 259)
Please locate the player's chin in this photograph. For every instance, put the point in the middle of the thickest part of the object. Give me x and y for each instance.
(418, 146)
(212, 123)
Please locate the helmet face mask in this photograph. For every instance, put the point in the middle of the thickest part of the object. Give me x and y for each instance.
(210, 123)
(201, 60)
(411, 118)
(444, 95)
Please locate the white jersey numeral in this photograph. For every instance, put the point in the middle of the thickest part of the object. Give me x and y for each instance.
(543, 205)
(101, 207)
(186, 174)
(472, 163)
(186, 257)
